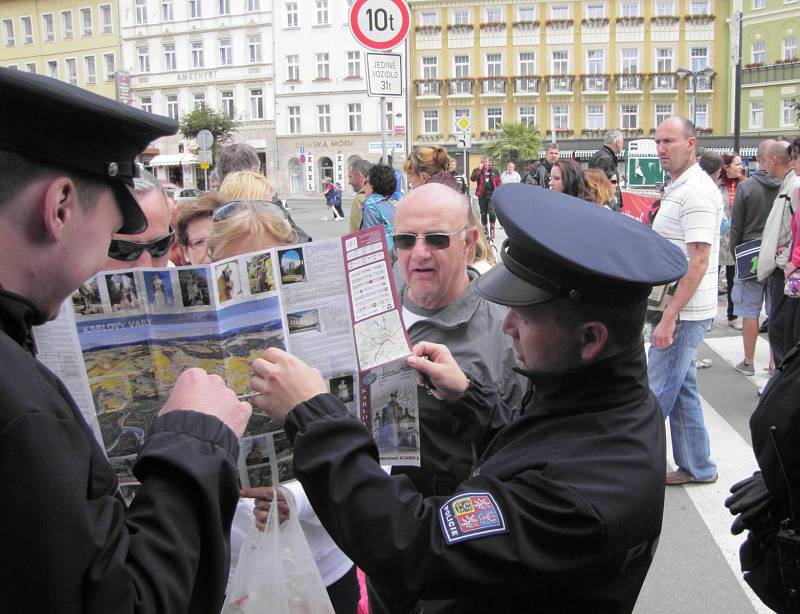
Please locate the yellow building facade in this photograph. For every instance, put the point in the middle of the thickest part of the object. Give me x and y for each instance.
(572, 69)
(76, 42)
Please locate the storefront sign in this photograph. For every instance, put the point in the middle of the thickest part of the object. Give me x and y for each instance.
(311, 184)
(339, 168)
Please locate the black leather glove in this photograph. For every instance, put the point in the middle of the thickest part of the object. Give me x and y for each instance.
(750, 502)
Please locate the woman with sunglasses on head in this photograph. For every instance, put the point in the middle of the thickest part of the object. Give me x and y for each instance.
(239, 228)
(566, 177)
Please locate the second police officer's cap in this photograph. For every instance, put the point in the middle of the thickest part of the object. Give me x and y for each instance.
(562, 246)
(70, 128)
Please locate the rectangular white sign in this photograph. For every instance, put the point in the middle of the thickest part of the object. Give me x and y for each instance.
(397, 146)
(384, 74)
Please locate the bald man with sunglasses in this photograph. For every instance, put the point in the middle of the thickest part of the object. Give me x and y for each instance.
(151, 247)
(440, 304)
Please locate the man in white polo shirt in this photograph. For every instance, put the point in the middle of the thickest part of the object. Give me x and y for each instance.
(689, 217)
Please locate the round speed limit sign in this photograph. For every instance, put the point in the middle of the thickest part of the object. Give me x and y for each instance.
(380, 24)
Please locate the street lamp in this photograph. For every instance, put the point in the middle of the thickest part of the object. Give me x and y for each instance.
(388, 116)
(683, 73)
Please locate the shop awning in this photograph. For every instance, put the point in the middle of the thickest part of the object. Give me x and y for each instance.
(173, 159)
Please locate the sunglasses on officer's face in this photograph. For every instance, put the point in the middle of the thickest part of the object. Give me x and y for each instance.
(433, 240)
(128, 251)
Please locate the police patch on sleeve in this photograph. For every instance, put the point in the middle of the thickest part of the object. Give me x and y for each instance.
(470, 515)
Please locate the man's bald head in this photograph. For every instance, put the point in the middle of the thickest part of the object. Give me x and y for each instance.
(780, 150)
(763, 148)
(450, 203)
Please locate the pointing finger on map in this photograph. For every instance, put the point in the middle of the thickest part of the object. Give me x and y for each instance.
(435, 361)
(283, 382)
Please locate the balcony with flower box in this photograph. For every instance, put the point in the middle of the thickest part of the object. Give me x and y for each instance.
(493, 86)
(704, 83)
(559, 85)
(493, 34)
(428, 37)
(525, 33)
(664, 20)
(525, 86)
(561, 133)
(759, 73)
(428, 88)
(595, 84)
(560, 31)
(632, 133)
(663, 83)
(460, 36)
(595, 30)
(460, 88)
(630, 30)
(629, 83)
(593, 133)
(430, 137)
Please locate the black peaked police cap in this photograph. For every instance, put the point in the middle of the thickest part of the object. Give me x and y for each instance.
(559, 245)
(67, 127)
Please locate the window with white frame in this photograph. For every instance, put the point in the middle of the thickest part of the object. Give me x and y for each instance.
(527, 116)
(429, 18)
(494, 117)
(253, 6)
(143, 53)
(321, 12)
(756, 114)
(27, 29)
(665, 8)
(170, 62)
(699, 7)
(527, 63)
(172, 106)
(8, 33)
(31, 67)
(629, 61)
(629, 116)
(195, 8)
(595, 61)
(293, 68)
(389, 116)
(86, 22)
(324, 117)
(223, 7)
(630, 8)
(526, 13)
(494, 64)
(460, 17)
(559, 11)
(759, 52)
(461, 66)
(698, 58)
(226, 97)
(430, 121)
(354, 64)
(291, 15)
(664, 110)
(110, 65)
(90, 69)
(788, 112)
(461, 113)
(493, 14)
(52, 69)
(141, 11)
(700, 114)
(254, 48)
(559, 62)
(789, 47)
(106, 26)
(354, 116)
(664, 59)
(146, 104)
(225, 52)
(48, 28)
(167, 10)
(197, 54)
(324, 65)
(595, 117)
(595, 10)
(430, 67)
(559, 116)
(294, 119)
(759, 4)
(66, 25)
(72, 71)
(198, 100)
(257, 103)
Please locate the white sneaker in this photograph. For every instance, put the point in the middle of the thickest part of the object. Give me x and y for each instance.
(323, 219)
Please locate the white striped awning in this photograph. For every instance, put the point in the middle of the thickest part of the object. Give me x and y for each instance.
(173, 159)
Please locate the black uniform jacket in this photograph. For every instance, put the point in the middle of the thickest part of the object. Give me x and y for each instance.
(67, 542)
(578, 480)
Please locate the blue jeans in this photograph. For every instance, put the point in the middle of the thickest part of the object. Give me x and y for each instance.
(673, 380)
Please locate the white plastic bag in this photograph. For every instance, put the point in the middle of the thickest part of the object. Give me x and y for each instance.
(276, 573)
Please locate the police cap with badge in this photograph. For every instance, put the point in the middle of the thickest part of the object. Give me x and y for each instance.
(72, 129)
(562, 246)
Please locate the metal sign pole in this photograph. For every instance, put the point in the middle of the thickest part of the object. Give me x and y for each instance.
(383, 129)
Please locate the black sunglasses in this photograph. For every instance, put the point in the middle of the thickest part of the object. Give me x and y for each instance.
(127, 251)
(433, 240)
(228, 209)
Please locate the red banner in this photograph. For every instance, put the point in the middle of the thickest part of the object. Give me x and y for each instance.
(637, 204)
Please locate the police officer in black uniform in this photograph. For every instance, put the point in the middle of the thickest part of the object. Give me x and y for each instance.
(563, 509)
(69, 543)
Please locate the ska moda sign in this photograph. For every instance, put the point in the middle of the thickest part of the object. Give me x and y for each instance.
(380, 24)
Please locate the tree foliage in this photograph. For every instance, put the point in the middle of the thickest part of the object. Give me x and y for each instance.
(205, 118)
(516, 142)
